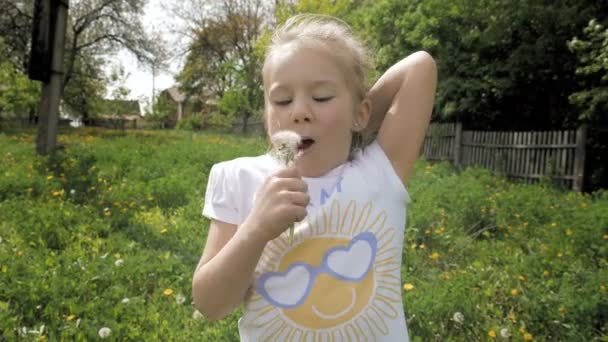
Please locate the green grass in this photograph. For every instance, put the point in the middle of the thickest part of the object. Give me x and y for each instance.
(107, 233)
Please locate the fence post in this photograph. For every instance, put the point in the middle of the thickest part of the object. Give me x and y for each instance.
(579, 158)
(457, 145)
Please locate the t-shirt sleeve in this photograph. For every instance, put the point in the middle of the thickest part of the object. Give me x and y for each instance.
(220, 197)
(378, 163)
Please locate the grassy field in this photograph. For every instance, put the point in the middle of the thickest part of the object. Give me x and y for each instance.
(102, 239)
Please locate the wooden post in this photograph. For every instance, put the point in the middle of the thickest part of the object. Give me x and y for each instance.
(46, 140)
(579, 158)
(458, 145)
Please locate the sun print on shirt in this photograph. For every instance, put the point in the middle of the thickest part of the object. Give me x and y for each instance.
(339, 279)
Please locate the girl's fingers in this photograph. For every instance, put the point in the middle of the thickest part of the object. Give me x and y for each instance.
(287, 172)
(298, 198)
(290, 184)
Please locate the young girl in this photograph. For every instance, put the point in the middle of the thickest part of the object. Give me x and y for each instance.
(340, 278)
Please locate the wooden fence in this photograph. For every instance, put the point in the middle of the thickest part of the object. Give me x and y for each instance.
(527, 156)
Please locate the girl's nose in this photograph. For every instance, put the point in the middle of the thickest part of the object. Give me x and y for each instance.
(301, 112)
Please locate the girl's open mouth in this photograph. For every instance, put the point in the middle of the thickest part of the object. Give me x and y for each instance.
(305, 144)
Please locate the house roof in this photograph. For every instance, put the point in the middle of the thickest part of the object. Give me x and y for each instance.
(175, 94)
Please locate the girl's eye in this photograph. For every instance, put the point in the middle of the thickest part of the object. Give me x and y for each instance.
(282, 102)
(323, 99)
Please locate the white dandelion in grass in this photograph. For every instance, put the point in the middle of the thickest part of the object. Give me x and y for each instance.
(196, 315)
(505, 333)
(458, 317)
(285, 149)
(180, 299)
(125, 300)
(104, 332)
(118, 262)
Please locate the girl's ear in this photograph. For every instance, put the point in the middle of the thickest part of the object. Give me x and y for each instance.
(362, 115)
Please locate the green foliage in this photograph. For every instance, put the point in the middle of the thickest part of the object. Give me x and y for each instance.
(234, 101)
(220, 120)
(501, 63)
(592, 52)
(84, 94)
(161, 110)
(107, 234)
(191, 123)
(19, 96)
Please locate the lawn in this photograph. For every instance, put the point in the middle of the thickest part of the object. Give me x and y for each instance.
(102, 239)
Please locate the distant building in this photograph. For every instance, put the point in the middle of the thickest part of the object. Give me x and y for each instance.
(182, 106)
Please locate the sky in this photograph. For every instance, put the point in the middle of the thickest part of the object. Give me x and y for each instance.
(139, 80)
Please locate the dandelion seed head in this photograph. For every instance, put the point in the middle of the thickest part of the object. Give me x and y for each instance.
(505, 333)
(104, 332)
(285, 146)
(180, 299)
(118, 262)
(458, 317)
(197, 315)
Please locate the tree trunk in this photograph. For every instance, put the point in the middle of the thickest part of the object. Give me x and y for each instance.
(245, 121)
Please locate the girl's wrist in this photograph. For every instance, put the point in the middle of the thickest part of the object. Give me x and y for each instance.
(248, 232)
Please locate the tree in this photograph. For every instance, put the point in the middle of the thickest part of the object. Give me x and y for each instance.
(18, 94)
(96, 29)
(502, 64)
(592, 53)
(15, 29)
(87, 87)
(221, 54)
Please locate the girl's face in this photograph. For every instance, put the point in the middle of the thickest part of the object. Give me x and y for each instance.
(306, 92)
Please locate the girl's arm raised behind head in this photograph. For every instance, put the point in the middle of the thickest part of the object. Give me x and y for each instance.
(403, 100)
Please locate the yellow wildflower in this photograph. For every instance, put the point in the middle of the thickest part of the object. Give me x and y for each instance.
(408, 287)
(562, 310)
(546, 273)
(569, 232)
(605, 235)
(19, 253)
(514, 292)
(435, 256)
(553, 224)
(528, 337)
(168, 292)
(422, 246)
(49, 177)
(70, 318)
(164, 230)
(521, 277)
(583, 205)
(512, 317)
(517, 215)
(492, 333)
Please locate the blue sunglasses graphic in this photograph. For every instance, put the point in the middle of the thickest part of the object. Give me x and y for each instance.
(352, 263)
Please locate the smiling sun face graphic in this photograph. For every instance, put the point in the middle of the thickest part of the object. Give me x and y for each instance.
(339, 280)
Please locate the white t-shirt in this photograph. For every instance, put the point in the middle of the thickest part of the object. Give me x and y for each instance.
(340, 280)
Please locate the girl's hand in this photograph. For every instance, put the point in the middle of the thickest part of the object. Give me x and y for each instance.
(281, 201)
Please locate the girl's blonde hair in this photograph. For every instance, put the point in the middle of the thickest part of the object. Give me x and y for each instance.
(335, 37)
